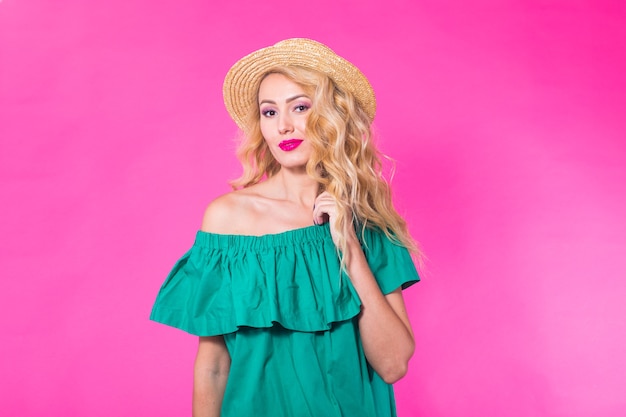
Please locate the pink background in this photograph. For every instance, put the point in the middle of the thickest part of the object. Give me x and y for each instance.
(507, 122)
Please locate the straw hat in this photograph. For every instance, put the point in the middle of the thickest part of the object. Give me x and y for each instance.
(241, 82)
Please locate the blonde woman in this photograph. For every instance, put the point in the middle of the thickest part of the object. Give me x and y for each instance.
(294, 283)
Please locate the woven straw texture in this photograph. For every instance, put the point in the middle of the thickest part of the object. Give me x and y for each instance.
(242, 80)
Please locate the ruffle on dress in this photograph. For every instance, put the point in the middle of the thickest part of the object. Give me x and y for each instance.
(293, 279)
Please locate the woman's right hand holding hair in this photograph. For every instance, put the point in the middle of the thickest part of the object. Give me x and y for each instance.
(325, 210)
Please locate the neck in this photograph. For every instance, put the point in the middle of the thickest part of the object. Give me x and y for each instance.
(295, 186)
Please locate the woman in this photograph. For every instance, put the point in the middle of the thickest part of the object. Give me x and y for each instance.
(294, 284)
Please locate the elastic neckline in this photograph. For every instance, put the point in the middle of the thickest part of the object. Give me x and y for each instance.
(286, 238)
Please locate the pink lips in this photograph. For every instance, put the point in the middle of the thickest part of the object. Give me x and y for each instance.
(290, 144)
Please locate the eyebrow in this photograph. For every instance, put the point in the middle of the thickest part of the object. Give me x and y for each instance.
(289, 100)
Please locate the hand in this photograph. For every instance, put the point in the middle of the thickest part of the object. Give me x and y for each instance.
(325, 210)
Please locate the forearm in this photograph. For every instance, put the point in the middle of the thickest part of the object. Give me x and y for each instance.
(383, 324)
(208, 392)
(211, 371)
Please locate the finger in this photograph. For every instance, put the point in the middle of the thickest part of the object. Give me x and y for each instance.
(321, 214)
(324, 208)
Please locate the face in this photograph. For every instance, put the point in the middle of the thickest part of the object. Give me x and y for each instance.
(284, 107)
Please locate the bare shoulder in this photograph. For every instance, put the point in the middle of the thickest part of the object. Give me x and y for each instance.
(230, 213)
(216, 213)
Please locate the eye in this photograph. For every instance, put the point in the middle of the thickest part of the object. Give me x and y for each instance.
(268, 112)
(301, 108)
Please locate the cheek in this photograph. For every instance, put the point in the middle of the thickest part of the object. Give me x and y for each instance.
(302, 125)
(263, 125)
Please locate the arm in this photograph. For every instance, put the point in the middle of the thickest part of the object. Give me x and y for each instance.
(209, 377)
(383, 323)
(212, 364)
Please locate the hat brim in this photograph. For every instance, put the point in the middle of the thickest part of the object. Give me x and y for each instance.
(242, 80)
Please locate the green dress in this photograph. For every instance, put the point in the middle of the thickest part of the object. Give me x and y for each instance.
(289, 317)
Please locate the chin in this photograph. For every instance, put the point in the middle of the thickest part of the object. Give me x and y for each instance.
(293, 166)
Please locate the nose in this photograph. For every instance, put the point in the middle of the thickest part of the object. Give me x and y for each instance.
(285, 124)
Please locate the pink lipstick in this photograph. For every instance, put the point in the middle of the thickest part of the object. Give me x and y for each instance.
(290, 144)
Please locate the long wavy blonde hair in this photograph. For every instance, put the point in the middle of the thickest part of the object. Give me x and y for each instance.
(344, 159)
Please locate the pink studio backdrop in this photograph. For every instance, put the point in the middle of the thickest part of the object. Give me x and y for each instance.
(507, 122)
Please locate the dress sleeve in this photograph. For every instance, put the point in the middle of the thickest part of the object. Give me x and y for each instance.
(390, 262)
(195, 297)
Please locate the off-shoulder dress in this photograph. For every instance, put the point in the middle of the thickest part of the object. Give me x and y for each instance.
(289, 318)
